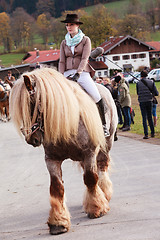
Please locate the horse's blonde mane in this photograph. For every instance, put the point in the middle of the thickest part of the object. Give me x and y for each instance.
(62, 102)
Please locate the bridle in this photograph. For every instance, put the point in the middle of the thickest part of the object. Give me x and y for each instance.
(38, 125)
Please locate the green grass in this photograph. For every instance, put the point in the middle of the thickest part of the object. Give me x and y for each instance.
(37, 39)
(137, 127)
(155, 36)
(11, 59)
(118, 7)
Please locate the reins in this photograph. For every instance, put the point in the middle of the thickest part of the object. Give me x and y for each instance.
(38, 125)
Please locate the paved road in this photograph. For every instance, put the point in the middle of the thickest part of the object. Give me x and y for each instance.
(24, 193)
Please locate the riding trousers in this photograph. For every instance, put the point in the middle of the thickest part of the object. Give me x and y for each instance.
(87, 83)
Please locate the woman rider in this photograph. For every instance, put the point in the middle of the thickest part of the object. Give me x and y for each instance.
(75, 50)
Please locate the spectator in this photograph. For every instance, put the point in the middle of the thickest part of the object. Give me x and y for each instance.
(154, 113)
(113, 90)
(116, 100)
(145, 90)
(38, 65)
(9, 79)
(125, 101)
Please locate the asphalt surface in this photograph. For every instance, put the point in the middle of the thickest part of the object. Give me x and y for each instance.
(24, 192)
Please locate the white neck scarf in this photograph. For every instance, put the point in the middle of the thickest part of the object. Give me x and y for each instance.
(75, 40)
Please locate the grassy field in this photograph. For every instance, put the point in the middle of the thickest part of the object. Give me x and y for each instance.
(11, 59)
(118, 7)
(138, 127)
(155, 36)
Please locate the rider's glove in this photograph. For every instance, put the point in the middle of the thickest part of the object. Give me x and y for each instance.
(75, 77)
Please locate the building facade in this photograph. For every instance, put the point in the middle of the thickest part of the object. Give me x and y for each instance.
(125, 53)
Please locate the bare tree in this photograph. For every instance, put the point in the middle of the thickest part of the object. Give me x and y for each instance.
(46, 6)
(134, 25)
(22, 27)
(151, 13)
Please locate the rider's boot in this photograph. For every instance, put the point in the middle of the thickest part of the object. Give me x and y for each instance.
(100, 106)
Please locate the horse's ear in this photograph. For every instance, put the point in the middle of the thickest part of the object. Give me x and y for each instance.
(28, 83)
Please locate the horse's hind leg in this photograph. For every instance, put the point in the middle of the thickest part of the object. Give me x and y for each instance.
(2, 114)
(59, 217)
(95, 204)
(104, 181)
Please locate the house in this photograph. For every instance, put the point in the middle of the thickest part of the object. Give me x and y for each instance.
(154, 54)
(49, 57)
(125, 53)
(101, 69)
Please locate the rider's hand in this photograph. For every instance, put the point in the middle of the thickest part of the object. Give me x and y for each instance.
(75, 77)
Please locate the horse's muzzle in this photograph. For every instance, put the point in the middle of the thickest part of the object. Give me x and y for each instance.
(35, 139)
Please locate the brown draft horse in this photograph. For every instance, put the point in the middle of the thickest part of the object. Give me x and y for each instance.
(56, 112)
(4, 104)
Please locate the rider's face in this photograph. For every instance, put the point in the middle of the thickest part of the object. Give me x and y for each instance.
(72, 28)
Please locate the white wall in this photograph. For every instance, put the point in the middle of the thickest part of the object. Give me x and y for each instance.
(136, 63)
(102, 73)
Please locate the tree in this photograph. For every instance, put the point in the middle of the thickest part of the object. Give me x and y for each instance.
(28, 6)
(98, 26)
(134, 7)
(151, 13)
(44, 27)
(5, 31)
(22, 27)
(134, 25)
(46, 6)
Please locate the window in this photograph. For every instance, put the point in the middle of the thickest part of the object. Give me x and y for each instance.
(142, 55)
(99, 74)
(116, 58)
(105, 73)
(134, 56)
(125, 57)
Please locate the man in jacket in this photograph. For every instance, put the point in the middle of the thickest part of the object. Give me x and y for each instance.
(145, 90)
(125, 101)
(9, 79)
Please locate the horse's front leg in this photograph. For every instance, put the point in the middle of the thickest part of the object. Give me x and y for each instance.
(59, 217)
(95, 204)
(7, 113)
(104, 182)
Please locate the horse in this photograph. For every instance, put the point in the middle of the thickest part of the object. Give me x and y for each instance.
(4, 104)
(51, 110)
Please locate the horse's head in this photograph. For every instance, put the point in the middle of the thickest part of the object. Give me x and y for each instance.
(35, 134)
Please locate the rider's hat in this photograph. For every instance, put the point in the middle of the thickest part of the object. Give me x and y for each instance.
(72, 18)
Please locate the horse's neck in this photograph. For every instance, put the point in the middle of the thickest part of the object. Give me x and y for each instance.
(2, 93)
(1, 88)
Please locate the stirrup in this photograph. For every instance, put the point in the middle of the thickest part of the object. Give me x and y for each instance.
(106, 131)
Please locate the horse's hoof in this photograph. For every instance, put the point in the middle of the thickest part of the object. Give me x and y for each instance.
(55, 230)
(92, 215)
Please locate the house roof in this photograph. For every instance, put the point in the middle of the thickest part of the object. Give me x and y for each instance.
(115, 41)
(42, 56)
(154, 44)
(98, 65)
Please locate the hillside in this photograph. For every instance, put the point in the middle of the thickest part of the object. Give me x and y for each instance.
(117, 7)
(35, 6)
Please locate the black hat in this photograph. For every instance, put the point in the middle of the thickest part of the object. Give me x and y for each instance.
(117, 79)
(72, 18)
